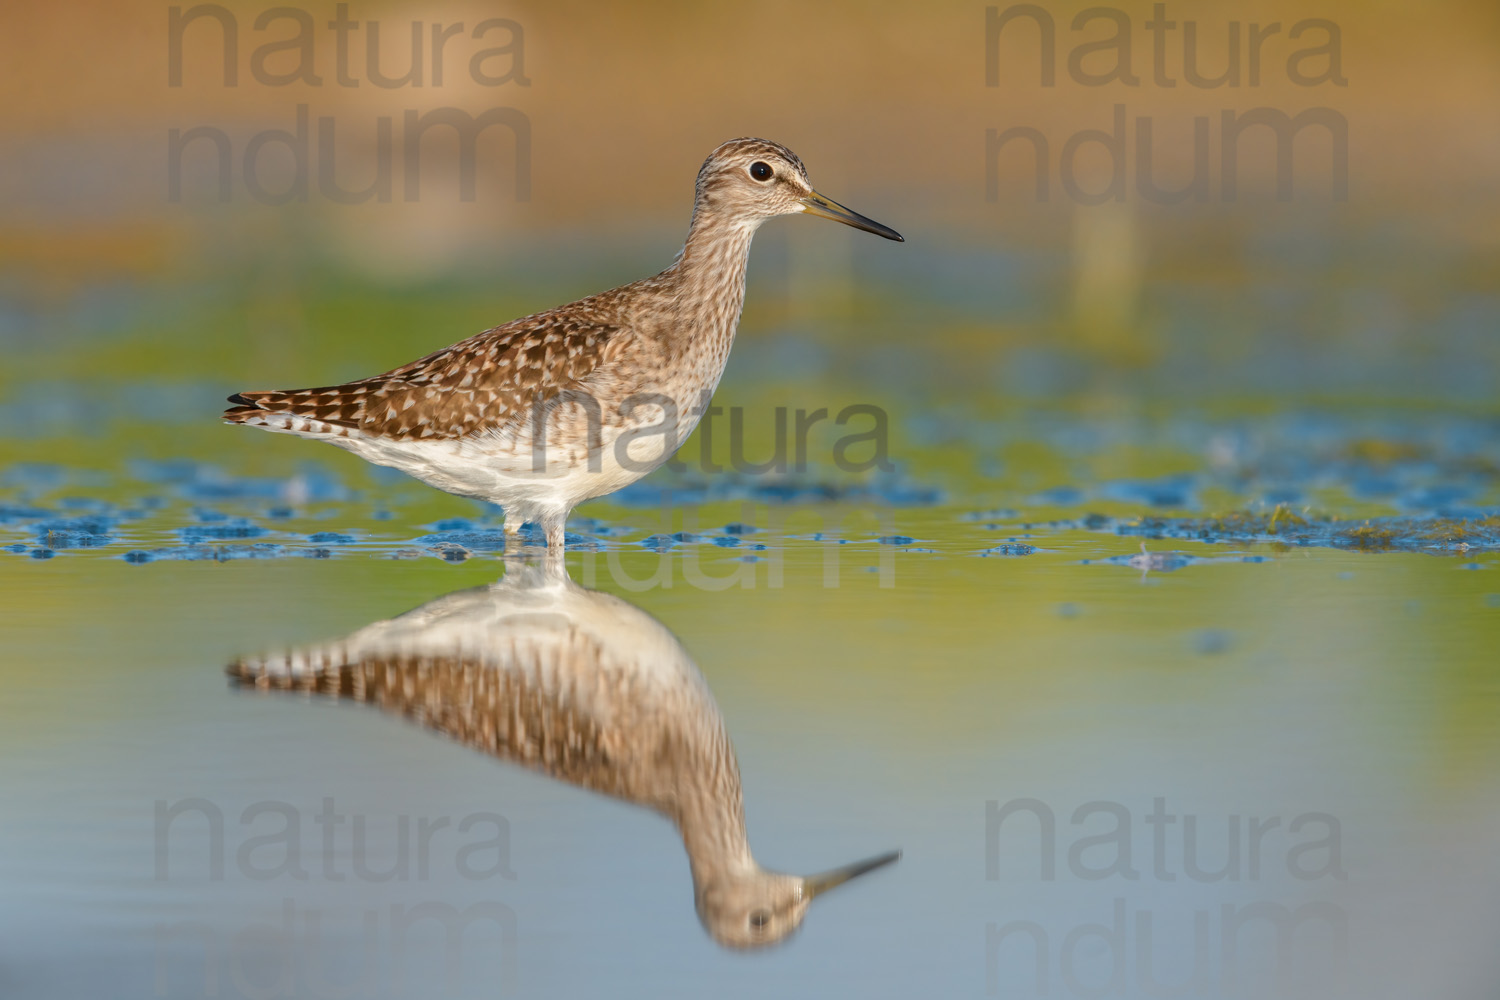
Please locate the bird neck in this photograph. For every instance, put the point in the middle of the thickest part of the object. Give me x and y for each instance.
(709, 811)
(710, 271)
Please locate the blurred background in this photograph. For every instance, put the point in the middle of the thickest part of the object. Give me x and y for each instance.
(1074, 365)
(1380, 287)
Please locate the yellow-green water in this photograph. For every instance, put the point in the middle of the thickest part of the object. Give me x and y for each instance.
(1203, 594)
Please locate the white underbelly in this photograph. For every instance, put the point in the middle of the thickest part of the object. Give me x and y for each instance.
(577, 457)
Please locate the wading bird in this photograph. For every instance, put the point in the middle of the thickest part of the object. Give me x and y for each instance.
(550, 410)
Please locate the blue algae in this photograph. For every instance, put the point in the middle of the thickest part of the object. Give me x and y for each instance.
(594, 526)
(238, 528)
(726, 541)
(893, 490)
(209, 553)
(1010, 549)
(1170, 491)
(494, 541)
(35, 475)
(895, 539)
(73, 540)
(42, 553)
(1149, 562)
(91, 525)
(82, 503)
(1438, 496)
(330, 538)
(1282, 494)
(481, 541)
(1161, 562)
(9, 512)
(199, 481)
(1368, 487)
(1281, 526)
(993, 514)
(74, 533)
(1212, 641)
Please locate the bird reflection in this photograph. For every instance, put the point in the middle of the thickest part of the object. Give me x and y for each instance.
(585, 688)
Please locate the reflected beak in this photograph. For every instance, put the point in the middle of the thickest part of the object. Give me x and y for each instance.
(816, 885)
(827, 208)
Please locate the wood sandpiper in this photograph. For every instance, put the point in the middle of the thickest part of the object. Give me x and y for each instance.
(587, 689)
(547, 411)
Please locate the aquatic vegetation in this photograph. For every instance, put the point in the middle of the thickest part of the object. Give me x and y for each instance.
(894, 489)
(1288, 480)
(1368, 536)
(331, 538)
(74, 533)
(1009, 549)
(1404, 534)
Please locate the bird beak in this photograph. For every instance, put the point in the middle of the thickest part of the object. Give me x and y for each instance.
(815, 204)
(816, 885)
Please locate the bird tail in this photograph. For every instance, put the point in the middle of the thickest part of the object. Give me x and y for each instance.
(304, 412)
(315, 669)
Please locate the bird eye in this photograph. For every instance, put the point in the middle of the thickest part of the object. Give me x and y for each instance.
(760, 171)
(759, 918)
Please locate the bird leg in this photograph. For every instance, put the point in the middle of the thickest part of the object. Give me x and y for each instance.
(556, 538)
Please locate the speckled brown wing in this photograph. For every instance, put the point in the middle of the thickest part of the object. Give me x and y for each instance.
(490, 381)
(504, 709)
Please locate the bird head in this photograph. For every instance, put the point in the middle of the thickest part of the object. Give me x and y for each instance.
(752, 180)
(756, 908)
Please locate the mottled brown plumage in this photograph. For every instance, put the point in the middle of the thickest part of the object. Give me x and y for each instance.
(585, 688)
(488, 381)
(546, 411)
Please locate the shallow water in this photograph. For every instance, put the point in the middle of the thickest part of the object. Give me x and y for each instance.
(1161, 668)
(1113, 730)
